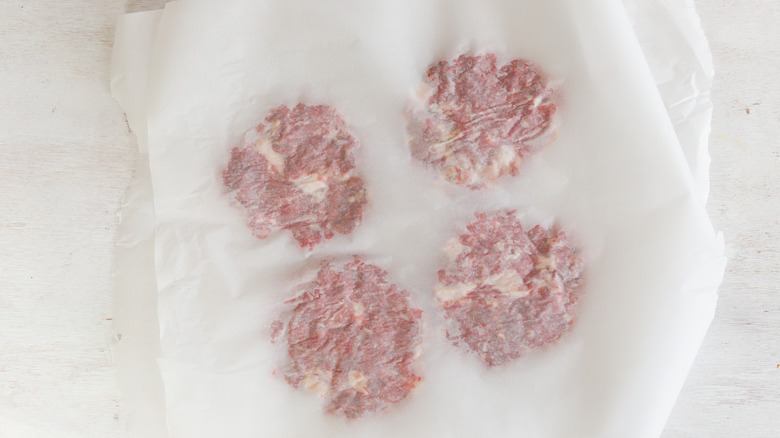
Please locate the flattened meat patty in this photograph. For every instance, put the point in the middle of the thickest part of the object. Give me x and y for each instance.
(475, 121)
(352, 339)
(298, 174)
(506, 291)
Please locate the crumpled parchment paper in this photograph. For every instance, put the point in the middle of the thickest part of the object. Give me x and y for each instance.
(617, 176)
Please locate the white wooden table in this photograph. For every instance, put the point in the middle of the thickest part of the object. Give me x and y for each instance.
(66, 157)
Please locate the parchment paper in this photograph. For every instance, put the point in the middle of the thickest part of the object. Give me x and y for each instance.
(136, 344)
(632, 218)
(679, 58)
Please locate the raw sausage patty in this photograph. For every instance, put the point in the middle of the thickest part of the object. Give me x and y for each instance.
(297, 172)
(352, 338)
(505, 290)
(475, 120)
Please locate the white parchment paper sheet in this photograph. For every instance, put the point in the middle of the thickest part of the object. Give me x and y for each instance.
(561, 186)
(137, 340)
(679, 58)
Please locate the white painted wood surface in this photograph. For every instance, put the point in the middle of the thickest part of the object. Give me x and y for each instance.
(66, 156)
(65, 159)
(733, 389)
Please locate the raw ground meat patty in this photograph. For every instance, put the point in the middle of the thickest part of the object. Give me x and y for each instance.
(506, 291)
(475, 121)
(297, 172)
(351, 338)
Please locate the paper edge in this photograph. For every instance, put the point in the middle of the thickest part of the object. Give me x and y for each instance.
(136, 332)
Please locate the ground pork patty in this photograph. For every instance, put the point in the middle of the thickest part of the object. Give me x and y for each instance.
(475, 121)
(506, 291)
(297, 172)
(352, 338)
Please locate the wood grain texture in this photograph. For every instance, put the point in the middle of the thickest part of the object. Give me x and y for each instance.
(66, 156)
(733, 389)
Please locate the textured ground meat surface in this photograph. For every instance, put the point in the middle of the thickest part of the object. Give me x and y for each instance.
(352, 338)
(506, 291)
(475, 120)
(298, 174)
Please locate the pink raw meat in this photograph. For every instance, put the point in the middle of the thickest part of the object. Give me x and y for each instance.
(352, 339)
(506, 291)
(299, 175)
(475, 121)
